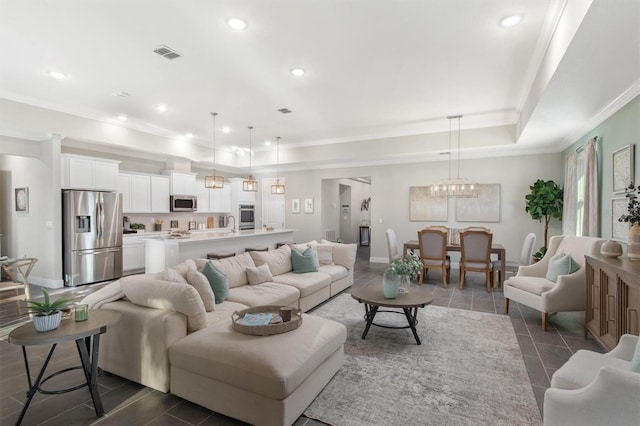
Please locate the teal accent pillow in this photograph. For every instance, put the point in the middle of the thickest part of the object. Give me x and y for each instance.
(635, 361)
(303, 262)
(217, 281)
(561, 264)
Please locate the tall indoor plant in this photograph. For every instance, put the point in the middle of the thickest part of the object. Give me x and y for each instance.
(543, 203)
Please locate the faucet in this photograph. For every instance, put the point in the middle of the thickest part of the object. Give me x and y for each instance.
(234, 222)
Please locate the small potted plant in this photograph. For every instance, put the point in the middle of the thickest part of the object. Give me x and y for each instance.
(47, 314)
(409, 266)
(633, 217)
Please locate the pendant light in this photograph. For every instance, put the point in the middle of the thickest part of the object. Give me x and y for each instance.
(214, 181)
(250, 184)
(277, 188)
(454, 187)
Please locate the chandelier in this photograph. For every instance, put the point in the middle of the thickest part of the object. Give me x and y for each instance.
(277, 188)
(214, 181)
(250, 184)
(454, 187)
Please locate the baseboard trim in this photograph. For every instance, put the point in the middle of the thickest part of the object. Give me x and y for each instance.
(45, 282)
(379, 259)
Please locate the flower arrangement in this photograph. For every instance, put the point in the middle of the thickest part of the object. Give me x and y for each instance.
(410, 265)
(633, 208)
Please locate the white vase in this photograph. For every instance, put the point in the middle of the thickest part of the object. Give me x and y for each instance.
(633, 246)
(47, 323)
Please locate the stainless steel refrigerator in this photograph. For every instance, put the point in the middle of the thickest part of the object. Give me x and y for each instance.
(91, 236)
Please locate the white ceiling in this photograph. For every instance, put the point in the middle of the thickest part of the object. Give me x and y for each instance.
(382, 75)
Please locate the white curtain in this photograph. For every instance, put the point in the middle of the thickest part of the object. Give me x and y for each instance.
(590, 209)
(570, 200)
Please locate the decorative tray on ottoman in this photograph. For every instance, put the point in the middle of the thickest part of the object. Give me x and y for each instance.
(260, 321)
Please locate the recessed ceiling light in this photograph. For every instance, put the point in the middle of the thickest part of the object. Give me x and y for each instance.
(510, 21)
(298, 72)
(122, 117)
(189, 135)
(226, 129)
(57, 75)
(161, 108)
(267, 143)
(236, 23)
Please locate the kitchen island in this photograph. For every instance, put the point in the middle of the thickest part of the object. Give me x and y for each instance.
(163, 251)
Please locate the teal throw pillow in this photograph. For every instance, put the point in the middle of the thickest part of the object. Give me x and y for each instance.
(635, 361)
(303, 262)
(561, 264)
(217, 281)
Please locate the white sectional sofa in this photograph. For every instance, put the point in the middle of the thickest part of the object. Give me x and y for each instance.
(169, 341)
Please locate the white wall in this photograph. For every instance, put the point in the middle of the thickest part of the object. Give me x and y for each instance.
(390, 198)
(36, 233)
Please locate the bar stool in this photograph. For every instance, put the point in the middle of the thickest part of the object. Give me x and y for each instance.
(257, 248)
(220, 254)
(284, 243)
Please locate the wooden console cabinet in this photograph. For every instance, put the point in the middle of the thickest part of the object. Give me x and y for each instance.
(613, 299)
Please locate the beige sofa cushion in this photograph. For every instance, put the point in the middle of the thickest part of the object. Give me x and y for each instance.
(325, 253)
(259, 274)
(153, 293)
(279, 260)
(307, 283)
(223, 312)
(202, 286)
(534, 285)
(262, 365)
(268, 293)
(336, 272)
(343, 254)
(235, 268)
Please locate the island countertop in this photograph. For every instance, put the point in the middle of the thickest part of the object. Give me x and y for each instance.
(199, 236)
(163, 251)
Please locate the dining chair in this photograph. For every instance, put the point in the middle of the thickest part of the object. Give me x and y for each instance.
(477, 228)
(475, 255)
(392, 245)
(433, 253)
(526, 258)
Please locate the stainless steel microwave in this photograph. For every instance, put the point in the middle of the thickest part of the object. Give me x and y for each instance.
(184, 203)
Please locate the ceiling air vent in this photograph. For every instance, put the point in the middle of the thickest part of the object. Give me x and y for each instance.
(285, 110)
(167, 52)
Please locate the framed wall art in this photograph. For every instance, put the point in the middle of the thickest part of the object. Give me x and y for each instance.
(295, 205)
(623, 168)
(619, 230)
(308, 205)
(423, 207)
(22, 199)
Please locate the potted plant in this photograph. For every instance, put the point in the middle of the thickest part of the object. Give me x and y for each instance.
(543, 203)
(409, 266)
(47, 315)
(632, 217)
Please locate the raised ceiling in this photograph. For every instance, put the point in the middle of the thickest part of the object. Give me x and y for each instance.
(381, 75)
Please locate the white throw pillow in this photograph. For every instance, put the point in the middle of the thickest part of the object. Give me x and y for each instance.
(279, 260)
(325, 253)
(343, 254)
(259, 274)
(202, 286)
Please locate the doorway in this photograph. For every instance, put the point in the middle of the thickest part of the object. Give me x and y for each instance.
(345, 208)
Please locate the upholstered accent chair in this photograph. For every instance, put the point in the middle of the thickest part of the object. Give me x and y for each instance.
(392, 245)
(534, 286)
(526, 257)
(475, 254)
(595, 389)
(433, 253)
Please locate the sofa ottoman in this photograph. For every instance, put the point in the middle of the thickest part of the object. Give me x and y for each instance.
(267, 380)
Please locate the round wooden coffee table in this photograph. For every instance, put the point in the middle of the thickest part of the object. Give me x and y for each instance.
(371, 296)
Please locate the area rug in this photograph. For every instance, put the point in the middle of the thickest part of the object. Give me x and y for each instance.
(468, 371)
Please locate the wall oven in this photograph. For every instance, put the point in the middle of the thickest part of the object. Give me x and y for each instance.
(246, 216)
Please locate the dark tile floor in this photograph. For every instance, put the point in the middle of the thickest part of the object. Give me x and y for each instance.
(126, 402)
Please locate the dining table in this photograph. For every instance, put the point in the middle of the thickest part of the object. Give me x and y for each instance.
(496, 248)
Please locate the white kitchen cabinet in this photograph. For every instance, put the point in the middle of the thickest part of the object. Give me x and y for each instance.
(238, 195)
(89, 173)
(220, 199)
(132, 254)
(160, 190)
(203, 195)
(182, 183)
(136, 192)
